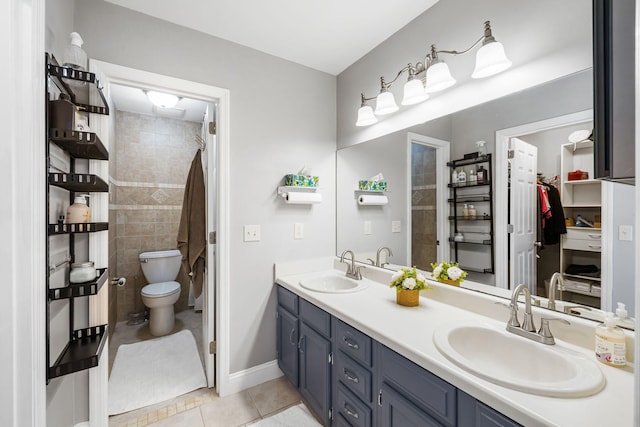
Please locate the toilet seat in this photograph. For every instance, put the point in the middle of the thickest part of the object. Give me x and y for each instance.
(160, 289)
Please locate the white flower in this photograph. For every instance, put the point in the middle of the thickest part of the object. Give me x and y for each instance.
(409, 283)
(398, 274)
(454, 273)
(420, 277)
(437, 271)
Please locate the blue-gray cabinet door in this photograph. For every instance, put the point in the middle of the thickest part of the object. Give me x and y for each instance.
(473, 413)
(287, 345)
(315, 371)
(398, 411)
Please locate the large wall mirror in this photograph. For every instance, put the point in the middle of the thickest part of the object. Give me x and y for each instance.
(415, 227)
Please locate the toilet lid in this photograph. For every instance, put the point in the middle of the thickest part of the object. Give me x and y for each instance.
(160, 289)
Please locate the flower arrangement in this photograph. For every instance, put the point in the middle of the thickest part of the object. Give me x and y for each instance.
(408, 278)
(448, 271)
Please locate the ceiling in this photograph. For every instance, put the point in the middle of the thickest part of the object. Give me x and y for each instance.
(327, 35)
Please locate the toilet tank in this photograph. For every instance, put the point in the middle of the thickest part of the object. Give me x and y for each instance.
(160, 266)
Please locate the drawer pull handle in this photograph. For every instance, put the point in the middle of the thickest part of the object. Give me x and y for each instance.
(595, 246)
(350, 411)
(350, 343)
(292, 340)
(301, 343)
(595, 236)
(351, 376)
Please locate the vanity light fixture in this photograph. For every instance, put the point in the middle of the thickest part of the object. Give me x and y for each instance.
(163, 100)
(490, 59)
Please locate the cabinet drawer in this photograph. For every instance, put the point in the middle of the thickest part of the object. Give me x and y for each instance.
(581, 245)
(353, 375)
(351, 408)
(315, 317)
(593, 234)
(353, 342)
(432, 394)
(288, 300)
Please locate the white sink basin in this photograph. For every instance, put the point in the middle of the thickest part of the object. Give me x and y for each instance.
(334, 283)
(490, 352)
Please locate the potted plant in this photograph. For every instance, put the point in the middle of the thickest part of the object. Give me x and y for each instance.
(448, 272)
(408, 283)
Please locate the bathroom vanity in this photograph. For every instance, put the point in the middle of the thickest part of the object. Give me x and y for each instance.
(359, 359)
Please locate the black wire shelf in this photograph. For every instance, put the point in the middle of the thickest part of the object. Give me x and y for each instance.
(472, 242)
(75, 290)
(78, 182)
(79, 144)
(81, 352)
(82, 87)
(76, 228)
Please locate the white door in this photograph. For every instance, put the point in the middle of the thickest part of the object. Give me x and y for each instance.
(523, 214)
(208, 309)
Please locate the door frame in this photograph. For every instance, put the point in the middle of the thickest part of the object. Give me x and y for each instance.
(218, 300)
(501, 181)
(442, 148)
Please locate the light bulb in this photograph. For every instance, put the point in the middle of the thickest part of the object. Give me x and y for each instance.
(490, 60)
(163, 100)
(414, 92)
(438, 77)
(385, 104)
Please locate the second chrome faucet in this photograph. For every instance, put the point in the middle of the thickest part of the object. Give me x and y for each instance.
(527, 329)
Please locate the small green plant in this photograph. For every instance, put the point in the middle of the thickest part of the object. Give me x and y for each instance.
(447, 271)
(408, 278)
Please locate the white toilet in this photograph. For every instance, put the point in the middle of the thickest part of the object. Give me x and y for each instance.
(161, 269)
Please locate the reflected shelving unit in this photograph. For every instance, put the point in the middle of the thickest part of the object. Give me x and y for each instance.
(472, 235)
(84, 345)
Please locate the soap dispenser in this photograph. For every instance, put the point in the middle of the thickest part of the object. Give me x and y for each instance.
(611, 346)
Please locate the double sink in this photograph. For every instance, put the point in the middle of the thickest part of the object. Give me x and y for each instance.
(486, 350)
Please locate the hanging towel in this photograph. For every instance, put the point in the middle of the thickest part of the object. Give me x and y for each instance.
(192, 241)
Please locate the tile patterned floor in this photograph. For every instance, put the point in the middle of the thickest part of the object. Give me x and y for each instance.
(202, 407)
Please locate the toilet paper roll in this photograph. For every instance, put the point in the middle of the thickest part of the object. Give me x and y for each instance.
(372, 199)
(302, 198)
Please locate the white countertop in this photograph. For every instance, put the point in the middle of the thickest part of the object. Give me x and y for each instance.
(409, 331)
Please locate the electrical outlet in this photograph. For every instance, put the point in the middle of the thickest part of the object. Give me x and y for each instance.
(367, 227)
(396, 227)
(298, 230)
(252, 233)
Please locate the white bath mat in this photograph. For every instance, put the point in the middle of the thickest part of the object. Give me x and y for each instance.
(152, 371)
(296, 416)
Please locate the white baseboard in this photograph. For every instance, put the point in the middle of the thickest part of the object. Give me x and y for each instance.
(248, 378)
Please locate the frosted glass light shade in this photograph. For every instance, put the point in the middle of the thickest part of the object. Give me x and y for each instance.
(490, 60)
(438, 77)
(414, 92)
(163, 100)
(385, 104)
(366, 116)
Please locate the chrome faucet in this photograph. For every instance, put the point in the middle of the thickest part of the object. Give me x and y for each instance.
(353, 272)
(389, 254)
(553, 287)
(528, 329)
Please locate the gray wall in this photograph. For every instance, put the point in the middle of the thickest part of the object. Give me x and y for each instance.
(624, 253)
(530, 32)
(283, 116)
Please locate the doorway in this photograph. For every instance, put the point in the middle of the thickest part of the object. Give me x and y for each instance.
(215, 324)
(427, 201)
(516, 238)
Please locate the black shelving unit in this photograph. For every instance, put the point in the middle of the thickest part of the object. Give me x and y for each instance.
(85, 345)
(473, 192)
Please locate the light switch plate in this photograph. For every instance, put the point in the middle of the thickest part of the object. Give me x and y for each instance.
(367, 227)
(625, 232)
(298, 230)
(396, 226)
(252, 233)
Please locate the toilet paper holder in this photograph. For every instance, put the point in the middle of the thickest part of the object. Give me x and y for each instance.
(119, 281)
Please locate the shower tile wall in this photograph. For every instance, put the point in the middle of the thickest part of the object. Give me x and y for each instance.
(423, 206)
(148, 170)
